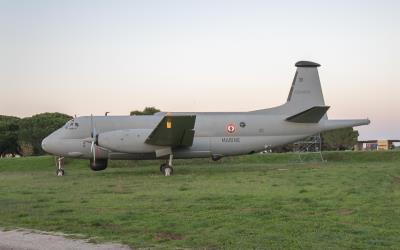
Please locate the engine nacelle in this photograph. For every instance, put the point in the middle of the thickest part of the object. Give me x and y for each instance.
(98, 165)
(127, 141)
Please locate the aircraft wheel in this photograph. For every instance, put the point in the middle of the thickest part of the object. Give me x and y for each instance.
(168, 170)
(162, 167)
(60, 172)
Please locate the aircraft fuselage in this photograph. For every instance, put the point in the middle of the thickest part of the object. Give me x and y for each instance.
(216, 134)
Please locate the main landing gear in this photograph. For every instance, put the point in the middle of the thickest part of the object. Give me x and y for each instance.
(166, 168)
(60, 166)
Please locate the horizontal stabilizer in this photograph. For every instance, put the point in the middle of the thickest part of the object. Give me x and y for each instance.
(337, 124)
(312, 115)
(173, 131)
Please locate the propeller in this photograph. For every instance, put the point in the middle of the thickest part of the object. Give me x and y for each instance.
(93, 138)
(93, 150)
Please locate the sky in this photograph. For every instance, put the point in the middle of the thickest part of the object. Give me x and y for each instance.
(89, 57)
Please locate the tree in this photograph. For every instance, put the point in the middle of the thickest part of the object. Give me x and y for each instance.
(34, 129)
(9, 126)
(339, 139)
(146, 111)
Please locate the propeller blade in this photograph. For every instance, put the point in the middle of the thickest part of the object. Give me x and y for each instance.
(93, 138)
(93, 150)
(91, 126)
(94, 154)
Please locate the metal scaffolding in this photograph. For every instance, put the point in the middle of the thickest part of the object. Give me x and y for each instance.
(312, 144)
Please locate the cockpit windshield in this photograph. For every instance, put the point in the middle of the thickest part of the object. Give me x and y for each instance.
(72, 124)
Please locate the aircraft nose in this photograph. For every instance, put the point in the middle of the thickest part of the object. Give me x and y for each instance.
(45, 144)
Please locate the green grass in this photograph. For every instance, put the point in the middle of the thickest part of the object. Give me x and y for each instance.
(258, 201)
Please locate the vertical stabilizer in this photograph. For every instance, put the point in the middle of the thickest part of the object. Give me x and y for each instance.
(306, 89)
(305, 92)
(305, 103)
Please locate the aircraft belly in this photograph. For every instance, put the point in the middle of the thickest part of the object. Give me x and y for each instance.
(248, 144)
(199, 149)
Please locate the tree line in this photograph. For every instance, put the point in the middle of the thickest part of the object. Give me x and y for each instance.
(23, 136)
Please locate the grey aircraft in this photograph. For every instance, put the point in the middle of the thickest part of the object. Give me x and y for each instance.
(201, 134)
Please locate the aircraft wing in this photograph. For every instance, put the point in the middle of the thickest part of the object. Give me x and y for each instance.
(173, 131)
(312, 115)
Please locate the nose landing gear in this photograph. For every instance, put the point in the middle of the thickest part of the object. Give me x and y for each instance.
(166, 168)
(60, 166)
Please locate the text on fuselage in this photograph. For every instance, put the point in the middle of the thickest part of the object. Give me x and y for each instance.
(231, 139)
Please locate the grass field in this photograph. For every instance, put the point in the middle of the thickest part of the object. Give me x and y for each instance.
(258, 201)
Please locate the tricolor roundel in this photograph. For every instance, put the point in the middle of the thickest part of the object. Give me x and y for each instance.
(230, 128)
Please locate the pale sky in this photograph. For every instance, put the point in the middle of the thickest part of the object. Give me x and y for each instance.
(83, 57)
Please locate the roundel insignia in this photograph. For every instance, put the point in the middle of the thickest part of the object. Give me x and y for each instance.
(230, 128)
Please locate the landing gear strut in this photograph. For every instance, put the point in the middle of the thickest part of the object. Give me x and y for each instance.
(60, 166)
(166, 168)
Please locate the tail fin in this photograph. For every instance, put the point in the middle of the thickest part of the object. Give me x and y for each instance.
(306, 89)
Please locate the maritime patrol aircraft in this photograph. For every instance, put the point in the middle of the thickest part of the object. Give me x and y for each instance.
(198, 134)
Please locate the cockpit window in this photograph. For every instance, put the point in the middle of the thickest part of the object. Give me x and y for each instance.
(71, 125)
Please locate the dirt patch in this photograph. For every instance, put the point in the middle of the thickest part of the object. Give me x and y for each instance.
(345, 211)
(168, 236)
(39, 240)
(396, 179)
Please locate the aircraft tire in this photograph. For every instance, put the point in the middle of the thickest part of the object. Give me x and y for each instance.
(60, 172)
(162, 167)
(168, 170)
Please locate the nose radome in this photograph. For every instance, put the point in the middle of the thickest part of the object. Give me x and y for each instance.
(45, 144)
